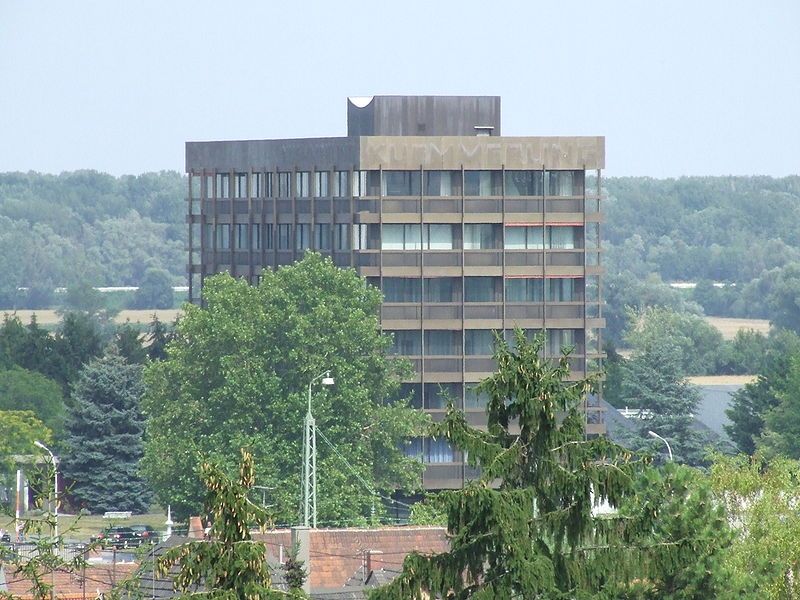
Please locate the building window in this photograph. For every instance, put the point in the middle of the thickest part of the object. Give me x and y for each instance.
(478, 342)
(406, 342)
(442, 183)
(481, 236)
(321, 184)
(565, 183)
(524, 289)
(482, 289)
(438, 450)
(341, 237)
(475, 399)
(208, 236)
(442, 289)
(269, 236)
(302, 181)
(561, 289)
(410, 392)
(366, 183)
(256, 188)
(437, 237)
(483, 183)
(524, 237)
(401, 237)
(240, 185)
(223, 185)
(284, 184)
(560, 339)
(256, 236)
(442, 343)
(242, 241)
(268, 185)
(208, 186)
(401, 289)
(322, 236)
(284, 236)
(223, 236)
(401, 183)
(563, 237)
(340, 187)
(437, 395)
(524, 183)
(302, 236)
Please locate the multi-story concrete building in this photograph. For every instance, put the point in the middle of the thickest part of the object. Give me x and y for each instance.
(466, 232)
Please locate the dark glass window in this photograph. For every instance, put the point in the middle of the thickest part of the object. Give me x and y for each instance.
(223, 236)
(302, 187)
(442, 342)
(322, 236)
(524, 183)
(401, 289)
(269, 236)
(442, 183)
(483, 183)
(406, 342)
(401, 183)
(284, 184)
(341, 187)
(242, 239)
(443, 289)
(482, 236)
(437, 394)
(482, 289)
(562, 290)
(321, 190)
(524, 290)
(284, 236)
(302, 236)
(478, 342)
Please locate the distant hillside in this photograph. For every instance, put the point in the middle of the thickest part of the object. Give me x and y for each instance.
(85, 226)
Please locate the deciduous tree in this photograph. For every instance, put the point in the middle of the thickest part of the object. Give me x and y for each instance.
(237, 375)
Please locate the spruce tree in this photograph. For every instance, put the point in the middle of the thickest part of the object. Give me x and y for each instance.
(104, 443)
(526, 528)
(653, 381)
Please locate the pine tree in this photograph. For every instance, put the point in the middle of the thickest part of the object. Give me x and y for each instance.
(104, 443)
(534, 534)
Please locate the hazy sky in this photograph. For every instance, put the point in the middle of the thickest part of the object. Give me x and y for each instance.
(678, 88)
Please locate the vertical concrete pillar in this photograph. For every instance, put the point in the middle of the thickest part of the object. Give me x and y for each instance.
(301, 540)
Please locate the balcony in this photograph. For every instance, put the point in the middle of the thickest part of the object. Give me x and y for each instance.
(483, 258)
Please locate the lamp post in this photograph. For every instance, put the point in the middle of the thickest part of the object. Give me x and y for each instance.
(39, 444)
(310, 458)
(653, 434)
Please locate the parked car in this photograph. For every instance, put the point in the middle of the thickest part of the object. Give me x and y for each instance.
(117, 537)
(145, 533)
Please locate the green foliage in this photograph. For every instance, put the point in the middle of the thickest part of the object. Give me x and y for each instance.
(782, 421)
(760, 498)
(104, 443)
(751, 403)
(59, 230)
(19, 429)
(293, 571)
(654, 380)
(155, 290)
(230, 565)
(158, 337)
(784, 299)
(237, 375)
(536, 536)
(21, 389)
(697, 343)
(129, 344)
(428, 512)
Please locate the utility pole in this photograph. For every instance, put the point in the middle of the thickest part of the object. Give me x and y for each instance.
(310, 458)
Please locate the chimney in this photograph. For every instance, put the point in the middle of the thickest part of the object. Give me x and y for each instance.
(196, 528)
(301, 539)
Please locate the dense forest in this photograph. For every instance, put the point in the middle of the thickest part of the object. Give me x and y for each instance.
(87, 227)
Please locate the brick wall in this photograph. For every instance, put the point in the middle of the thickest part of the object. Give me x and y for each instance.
(336, 554)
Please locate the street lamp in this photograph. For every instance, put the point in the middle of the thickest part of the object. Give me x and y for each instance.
(39, 444)
(310, 458)
(653, 434)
